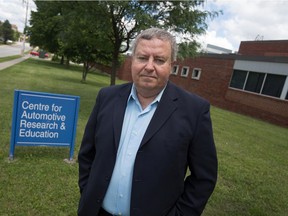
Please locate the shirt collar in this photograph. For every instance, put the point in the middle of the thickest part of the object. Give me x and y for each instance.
(133, 95)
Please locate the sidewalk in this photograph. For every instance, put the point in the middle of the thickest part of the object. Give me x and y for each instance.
(7, 64)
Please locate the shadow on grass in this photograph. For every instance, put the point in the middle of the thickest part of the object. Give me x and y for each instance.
(87, 83)
(92, 75)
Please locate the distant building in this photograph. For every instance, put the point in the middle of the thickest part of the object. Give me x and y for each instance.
(217, 50)
(14, 27)
(253, 82)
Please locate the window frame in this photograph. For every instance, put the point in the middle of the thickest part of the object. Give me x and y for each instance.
(187, 71)
(176, 70)
(263, 84)
(199, 70)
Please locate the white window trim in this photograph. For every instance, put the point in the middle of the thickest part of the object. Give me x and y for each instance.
(177, 69)
(184, 67)
(198, 75)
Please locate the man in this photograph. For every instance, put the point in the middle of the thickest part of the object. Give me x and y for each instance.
(142, 136)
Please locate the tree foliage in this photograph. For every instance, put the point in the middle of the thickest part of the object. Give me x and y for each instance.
(86, 44)
(188, 49)
(46, 26)
(94, 31)
(7, 31)
(67, 29)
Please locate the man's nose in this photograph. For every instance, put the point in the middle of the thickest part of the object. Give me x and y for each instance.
(150, 64)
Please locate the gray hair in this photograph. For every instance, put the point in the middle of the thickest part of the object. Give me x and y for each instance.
(158, 33)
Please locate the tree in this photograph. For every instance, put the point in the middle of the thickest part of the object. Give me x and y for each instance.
(123, 19)
(1, 30)
(46, 26)
(16, 35)
(86, 44)
(7, 31)
(65, 29)
(188, 49)
(102, 30)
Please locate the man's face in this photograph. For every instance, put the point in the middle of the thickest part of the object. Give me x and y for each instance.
(151, 65)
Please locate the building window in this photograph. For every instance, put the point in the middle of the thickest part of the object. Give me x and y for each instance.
(238, 79)
(254, 82)
(196, 73)
(184, 71)
(261, 83)
(175, 69)
(273, 85)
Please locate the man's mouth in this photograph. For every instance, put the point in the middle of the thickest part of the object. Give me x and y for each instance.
(148, 76)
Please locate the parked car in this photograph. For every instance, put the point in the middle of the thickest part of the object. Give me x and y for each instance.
(36, 53)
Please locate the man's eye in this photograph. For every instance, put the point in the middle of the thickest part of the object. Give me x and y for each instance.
(159, 61)
(142, 58)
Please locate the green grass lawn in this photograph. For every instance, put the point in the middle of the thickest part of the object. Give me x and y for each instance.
(253, 174)
(8, 58)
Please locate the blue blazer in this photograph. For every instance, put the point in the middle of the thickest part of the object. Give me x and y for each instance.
(178, 137)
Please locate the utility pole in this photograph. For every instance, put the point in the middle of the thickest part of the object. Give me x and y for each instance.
(24, 31)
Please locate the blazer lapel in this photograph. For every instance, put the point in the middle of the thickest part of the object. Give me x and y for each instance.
(119, 112)
(164, 110)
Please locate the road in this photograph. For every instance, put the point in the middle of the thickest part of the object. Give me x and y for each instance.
(13, 49)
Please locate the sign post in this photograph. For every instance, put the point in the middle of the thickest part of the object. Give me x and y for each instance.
(44, 119)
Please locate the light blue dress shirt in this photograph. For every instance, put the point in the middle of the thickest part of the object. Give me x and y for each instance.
(136, 121)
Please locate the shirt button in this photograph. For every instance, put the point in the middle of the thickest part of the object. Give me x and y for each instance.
(121, 195)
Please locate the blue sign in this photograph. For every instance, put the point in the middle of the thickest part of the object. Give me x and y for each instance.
(43, 119)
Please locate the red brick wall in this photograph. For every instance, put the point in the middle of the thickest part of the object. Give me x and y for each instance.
(124, 72)
(214, 79)
(264, 107)
(264, 48)
(103, 68)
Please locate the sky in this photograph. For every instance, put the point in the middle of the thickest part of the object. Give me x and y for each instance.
(242, 20)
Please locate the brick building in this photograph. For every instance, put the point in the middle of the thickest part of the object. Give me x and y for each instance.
(253, 82)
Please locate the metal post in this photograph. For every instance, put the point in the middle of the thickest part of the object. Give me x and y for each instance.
(24, 39)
